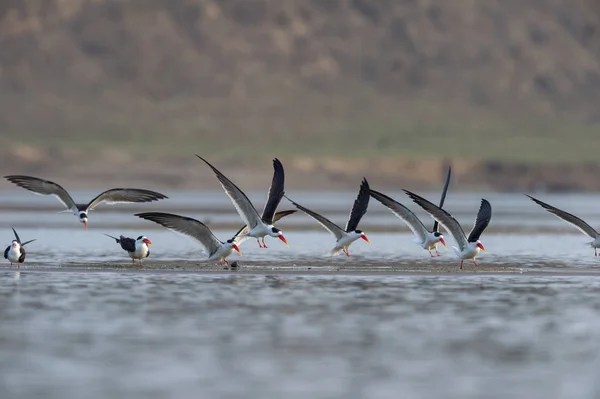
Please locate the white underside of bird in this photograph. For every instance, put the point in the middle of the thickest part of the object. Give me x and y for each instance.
(141, 251)
(343, 244)
(14, 253)
(222, 254)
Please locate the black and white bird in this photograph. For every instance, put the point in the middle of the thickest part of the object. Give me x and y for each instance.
(427, 239)
(215, 248)
(112, 196)
(468, 247)
(344, 237)
(574, 221)
(15, 252)
(259, 226)
(136, 248)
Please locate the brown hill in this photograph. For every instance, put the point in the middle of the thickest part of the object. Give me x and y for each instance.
(389, 76)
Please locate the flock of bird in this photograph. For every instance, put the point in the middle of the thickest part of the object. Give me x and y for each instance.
(259, 226)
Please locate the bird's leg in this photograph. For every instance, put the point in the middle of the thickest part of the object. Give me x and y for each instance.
(437, 252)
(258, 241)
(430, 254)
(19, 266)
(220, 262)
(461, 264)
(346, 251)
(133, 261)
(11, 265)
(595, 251)
(264, 244)
(475, 262)
(226, 262)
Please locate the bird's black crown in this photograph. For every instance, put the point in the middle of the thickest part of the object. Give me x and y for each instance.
(82, 215)
(437, 234)
(275, 230)
(358, 231)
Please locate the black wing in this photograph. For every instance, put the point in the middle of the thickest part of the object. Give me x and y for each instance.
(276, 192)
(6, 252)
(569, 218)
(27, 242)
(360, 206)
(128, 244)
(124, 195)
(16, 235)
(481, 222)
(22, 257)
(444, 191)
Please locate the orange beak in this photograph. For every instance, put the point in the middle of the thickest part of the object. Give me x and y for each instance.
(85, 224)
(237, 249)
(481, 247)
(443, 242)
(147, 241)
(364, 237)
(282, 238)
(15, 245)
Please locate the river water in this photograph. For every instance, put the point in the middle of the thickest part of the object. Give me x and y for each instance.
(276, 329)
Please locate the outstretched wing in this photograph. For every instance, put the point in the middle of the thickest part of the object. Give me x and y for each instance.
(405, 214)
(444, 192)
(276, 192)
(42, 187)
(323, 221)
(27, 242)
(185, 225)
(444, 218)
(244, 229)
(360, 206)
(241, 202)
(125, 195)
(481, 221)
(16, 235)
(569, 218)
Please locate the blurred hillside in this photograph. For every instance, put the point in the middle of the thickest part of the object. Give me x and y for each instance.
(480, 82)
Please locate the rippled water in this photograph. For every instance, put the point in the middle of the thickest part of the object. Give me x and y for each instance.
(171, 335)
(265, 333)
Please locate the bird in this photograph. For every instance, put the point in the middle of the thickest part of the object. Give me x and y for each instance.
(137, 249)
(241, 236)
(15, 252)
(574, 221)
(468, 247)
(344, 237)
(259, 227)
(427, 239)
(112, 196)
(215, 249)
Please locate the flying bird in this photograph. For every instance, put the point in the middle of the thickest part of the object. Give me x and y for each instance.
(344, 237)
(215, 248)
(427, 239)
(468, 247)
(259, 226)
(574, 221)
(136, 248)
(15, 252)
(112, 196)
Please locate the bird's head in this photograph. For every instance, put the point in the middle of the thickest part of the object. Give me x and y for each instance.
(439, 237)
(275, 232)
(480, 246)
(83, 219)
(234, 246)
(362, 235)
(144, 240)
(15, 244)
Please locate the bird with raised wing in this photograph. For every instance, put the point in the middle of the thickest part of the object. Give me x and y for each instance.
(136, 248)
(344, 237)
(468, 247)
(112, 196)
(573, 221)
(15, 252)
(215, 249)
(258, 226)
(427, 239)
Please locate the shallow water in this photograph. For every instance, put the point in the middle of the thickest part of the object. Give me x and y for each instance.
(153, 335)
(265, 333)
